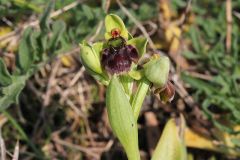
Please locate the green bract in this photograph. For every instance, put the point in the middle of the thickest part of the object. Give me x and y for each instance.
(121, 118)
(157, 70)
(90, 58)
(112, 21)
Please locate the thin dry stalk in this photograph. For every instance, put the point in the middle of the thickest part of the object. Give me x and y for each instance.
(16, 152)
(229, 25)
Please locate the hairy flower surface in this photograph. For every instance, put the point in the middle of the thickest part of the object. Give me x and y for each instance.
(118, 59)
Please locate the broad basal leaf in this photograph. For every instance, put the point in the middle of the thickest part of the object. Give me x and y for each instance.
(10, 93)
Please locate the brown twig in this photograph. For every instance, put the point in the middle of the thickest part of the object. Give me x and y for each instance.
(229, 25)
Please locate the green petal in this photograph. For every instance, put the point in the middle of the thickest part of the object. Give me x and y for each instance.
(140, 43)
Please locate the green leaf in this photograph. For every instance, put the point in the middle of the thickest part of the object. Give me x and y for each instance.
(58, 29)
(44, 23)
(140, 43)
(4, 74)
(88, 12)
(171, 145)
(195, 39)
(113, 21)
(10, 93)
(121, 118)
(199, 84)
(25, 56)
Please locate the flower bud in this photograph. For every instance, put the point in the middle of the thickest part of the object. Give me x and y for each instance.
(121, 118)
(157, 70)
(167, 94)
(90, 59)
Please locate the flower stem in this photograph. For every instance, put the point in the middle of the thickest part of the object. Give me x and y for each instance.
(139, 97)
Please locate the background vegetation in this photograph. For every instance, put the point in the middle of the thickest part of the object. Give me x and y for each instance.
(57, 111)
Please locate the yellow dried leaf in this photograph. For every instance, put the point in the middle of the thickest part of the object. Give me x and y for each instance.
(195, 140)
(67, 61)
(165, 11)
(4, 30)
(172, 32)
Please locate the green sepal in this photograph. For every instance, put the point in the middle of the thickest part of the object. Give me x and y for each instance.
(98, 47)
(90, 58)
(113, 21)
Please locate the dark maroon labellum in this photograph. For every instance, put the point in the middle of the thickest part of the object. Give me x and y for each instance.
(118, 59)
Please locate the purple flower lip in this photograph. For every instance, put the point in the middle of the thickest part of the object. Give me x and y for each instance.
(117, 59)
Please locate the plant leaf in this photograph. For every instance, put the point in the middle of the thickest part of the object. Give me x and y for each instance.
(113, 21)
(44, 24)
(121, 118)
(58, 29)
(25, 56)
(10, 93)
(171, 145)
(4, 74)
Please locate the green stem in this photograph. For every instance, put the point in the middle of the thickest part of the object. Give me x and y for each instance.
(139, 97)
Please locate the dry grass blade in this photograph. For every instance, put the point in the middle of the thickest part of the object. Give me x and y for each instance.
(16, 152)
(229, 25)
